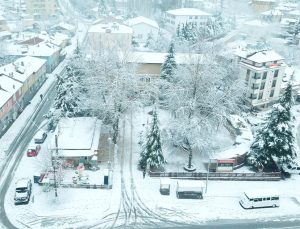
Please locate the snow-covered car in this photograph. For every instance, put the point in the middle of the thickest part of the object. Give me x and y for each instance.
(292, 169)
(23, 191)
(40, 137)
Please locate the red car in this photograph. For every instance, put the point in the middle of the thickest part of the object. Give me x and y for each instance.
(33, 150)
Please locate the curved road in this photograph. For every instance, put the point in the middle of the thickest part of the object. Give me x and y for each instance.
(16, 150)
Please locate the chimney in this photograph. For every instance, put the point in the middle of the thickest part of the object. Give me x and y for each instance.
(13, 86)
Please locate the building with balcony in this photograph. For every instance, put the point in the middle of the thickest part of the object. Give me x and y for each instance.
(176, 17)
(263, 71)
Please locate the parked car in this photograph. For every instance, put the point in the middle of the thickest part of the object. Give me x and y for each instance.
(33, 150)
(292, 169)
(23, 191)
(40, 137)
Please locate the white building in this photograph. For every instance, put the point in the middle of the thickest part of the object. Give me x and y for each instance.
(176, 17)
(142, 27)
(263, 72)
(110, 36)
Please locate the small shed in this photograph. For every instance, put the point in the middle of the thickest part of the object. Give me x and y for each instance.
(165, 184)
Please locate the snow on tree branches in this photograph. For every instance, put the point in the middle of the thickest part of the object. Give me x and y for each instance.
(169, 66)
(151, 153)
(274, 141)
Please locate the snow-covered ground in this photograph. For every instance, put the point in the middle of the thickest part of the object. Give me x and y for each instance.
(101, 207)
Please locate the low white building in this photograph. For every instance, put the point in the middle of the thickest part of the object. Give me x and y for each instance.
(176, 17)
(263, 71)
(77, 139)
(110, 36)
(142, 27)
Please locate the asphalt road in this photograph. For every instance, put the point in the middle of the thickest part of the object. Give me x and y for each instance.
(18, 146)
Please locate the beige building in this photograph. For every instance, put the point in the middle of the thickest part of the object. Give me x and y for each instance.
(41, 8)
(263, 5)
(263, 72)
(110, 36)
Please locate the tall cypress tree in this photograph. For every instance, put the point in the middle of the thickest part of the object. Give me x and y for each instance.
(169, 66)
(151, 153)
(274, 141)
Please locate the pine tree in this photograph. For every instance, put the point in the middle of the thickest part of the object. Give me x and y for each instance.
(151, 153)
(169, 66)
(149, 41)
(274, 141)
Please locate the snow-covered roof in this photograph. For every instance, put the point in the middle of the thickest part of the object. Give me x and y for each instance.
(272, 13)
(8, 87)
(187, 12)
(66, 26)
(191, 183)
(110, 28)
(165, 181)
(22, 68)
(141, 19)
(22, 183)
(260, 57)
(256, 193)
(77, 137)
(264, 1)
(44, 49)
(295, 12)
(4, 33)
(256, 23)
(159, 58)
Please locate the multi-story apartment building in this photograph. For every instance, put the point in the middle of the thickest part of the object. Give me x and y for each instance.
(41, 8)
(19, 81)
(176, 17)
(263, 72)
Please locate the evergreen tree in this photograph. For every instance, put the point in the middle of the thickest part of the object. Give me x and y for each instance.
(102, 8)
(169, 66)
(151, 153)
(274, 141)
(149, 41)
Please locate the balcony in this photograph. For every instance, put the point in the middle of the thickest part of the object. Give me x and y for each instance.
(255, 86)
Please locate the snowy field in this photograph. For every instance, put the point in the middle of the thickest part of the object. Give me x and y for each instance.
(134, 196)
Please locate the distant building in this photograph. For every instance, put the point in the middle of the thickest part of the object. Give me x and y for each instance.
(19, 81)
(263, 5)
(263, 72)
(64, 28)
(110, 36)
(272, 15)
(41, 8)
(142, 27)
(176, 17)
(3, 23)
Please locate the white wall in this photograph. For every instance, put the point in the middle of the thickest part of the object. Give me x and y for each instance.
(141, 31)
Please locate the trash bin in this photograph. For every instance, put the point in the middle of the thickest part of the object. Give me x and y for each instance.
(105, 176)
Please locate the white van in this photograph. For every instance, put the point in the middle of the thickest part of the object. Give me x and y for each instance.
(260, 199)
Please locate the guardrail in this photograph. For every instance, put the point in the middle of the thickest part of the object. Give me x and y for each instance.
(276, 176)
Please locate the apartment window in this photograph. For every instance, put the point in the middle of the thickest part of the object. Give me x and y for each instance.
(247, 75)
(260, 95)
(265, 75)
(274, 83)
(262, 86)
(190, 17)
(276, 73)
(272, 93)
(257, 75)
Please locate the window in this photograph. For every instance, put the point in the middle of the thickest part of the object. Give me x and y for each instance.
(272, 93)
(275, 198)
(262, 86)
(268, 198)
(257, 76)
(274, 83)
(260, 95)
(265, 75)
(276, 73)
(247, 75)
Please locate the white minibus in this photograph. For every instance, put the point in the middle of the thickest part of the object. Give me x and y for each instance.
(260, 199)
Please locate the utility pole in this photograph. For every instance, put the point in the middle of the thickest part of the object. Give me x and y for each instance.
(54, 164)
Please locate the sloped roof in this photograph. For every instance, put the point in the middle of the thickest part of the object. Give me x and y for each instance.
(188, 12)
(141, 19)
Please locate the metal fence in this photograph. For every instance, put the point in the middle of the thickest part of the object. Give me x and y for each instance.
(220, 176)
(87, 186)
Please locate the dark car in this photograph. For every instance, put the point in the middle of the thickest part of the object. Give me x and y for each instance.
(40, 137)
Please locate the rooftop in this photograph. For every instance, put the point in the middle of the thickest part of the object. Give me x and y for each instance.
(110, 28)
(188, 12)
(8, 87)
(159, 58)
(260, 56)
(141, 19)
